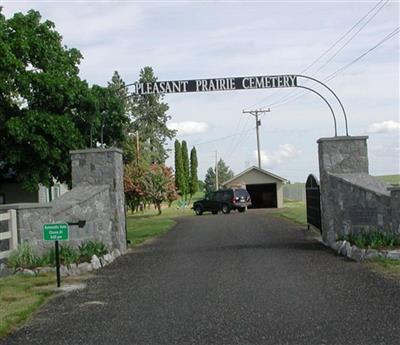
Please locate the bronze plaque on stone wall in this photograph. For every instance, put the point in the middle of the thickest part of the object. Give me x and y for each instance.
(362, 216)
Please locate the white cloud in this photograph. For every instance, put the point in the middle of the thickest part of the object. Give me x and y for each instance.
(284, 153)
(188, 127)
(384, 127)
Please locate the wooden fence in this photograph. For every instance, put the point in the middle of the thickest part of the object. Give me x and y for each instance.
(11, 234)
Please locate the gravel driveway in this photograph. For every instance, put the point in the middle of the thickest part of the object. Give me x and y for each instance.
(224, 279)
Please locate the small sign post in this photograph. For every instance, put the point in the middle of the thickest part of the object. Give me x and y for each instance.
(56, 232)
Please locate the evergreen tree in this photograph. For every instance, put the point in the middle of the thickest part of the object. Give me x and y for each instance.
(186, 171)
(224, 174)
(194, 183)
(129, 146)
(209, 181)
(149, 115)
(178, 167)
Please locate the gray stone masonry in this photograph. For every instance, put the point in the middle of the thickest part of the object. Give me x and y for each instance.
(89, 203)
(351, 200)
(395, 207)
(97, 197)
(104, 167)
(30, 220)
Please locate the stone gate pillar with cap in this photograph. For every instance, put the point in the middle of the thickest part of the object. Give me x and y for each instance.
(104, 167)
(338, 155)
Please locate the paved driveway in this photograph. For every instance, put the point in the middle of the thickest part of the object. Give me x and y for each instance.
(237, 279)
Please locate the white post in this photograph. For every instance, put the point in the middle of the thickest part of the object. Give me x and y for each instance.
(12, 227)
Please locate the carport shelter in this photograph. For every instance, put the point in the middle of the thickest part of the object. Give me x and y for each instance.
(265, 188)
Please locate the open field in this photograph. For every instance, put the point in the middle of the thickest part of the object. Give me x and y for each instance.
(392, 179)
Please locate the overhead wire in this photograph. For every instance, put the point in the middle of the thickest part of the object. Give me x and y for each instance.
(343, 68)
(294, 93)
(332, 46)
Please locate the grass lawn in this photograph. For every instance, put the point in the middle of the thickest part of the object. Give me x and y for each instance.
(389, 268)
(142, 226)
(293, 210)
(392, 179)
(21, 295)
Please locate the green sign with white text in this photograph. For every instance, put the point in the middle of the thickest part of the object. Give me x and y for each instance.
(55, 232)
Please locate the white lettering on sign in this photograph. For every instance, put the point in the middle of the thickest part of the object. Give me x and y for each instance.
(218, 84)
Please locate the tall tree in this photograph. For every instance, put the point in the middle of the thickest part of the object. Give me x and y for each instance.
(40, 98)
(46, 110)
(209, 180)
(131, 146)
(224, 174)
(194, 181)
(179, 182)
(150, 119)
(186, 171)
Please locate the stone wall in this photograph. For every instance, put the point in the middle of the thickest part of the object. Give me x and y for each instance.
(97, 197)
(30, 220)
(104, 167)
(351, 200)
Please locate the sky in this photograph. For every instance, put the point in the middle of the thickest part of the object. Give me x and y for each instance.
(212, 39)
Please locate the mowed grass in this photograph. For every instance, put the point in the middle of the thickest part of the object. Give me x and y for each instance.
(389, 268)
(146, 225)
(21, 295)
(294, 211)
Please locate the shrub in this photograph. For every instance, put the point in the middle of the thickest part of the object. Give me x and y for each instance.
(373, 239)
(23, 257)
(90, 248)
(68, 256)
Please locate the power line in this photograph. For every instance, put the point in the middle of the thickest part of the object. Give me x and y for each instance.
(282, 99)
(331, 47)
(239, 140)
(341, 69)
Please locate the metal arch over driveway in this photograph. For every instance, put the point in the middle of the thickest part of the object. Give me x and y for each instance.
(235, 83)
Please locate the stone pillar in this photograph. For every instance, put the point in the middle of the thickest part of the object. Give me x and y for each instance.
(104, 167)
(395, 209)
(338, 155)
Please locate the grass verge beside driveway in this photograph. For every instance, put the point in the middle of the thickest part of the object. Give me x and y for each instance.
(389, 268)
(146, 225)
(21, 295)
(292, 210)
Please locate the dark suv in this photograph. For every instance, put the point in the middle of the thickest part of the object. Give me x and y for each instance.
(223, 200)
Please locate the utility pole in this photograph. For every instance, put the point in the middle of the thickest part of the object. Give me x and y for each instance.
(216, 170)
(255, 113)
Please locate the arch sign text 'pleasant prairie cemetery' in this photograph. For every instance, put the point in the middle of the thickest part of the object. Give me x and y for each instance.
(216, 84)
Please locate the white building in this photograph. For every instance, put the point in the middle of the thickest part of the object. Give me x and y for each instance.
(265, 188)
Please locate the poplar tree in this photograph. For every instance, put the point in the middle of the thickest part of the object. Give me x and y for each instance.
(186, 171)
(179, 184)
(194, 182)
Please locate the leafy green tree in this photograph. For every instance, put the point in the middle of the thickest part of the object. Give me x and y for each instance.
(186, 171)
(194, 181)
(46, 110)
(149, 117)
(224, 174)
(179, 182)
(40, 91)
(110, 116)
